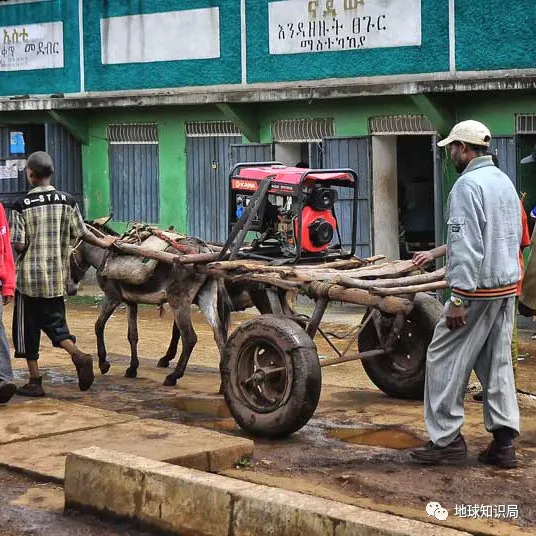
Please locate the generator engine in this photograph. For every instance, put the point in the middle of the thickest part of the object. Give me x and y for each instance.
(296, 216)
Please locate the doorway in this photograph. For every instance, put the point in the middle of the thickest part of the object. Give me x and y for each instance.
(416, 207)
(306, 154)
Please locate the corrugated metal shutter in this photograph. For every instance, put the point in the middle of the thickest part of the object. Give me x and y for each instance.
(66, 153)
(134, 172)
(504, 147)
(252, 152)
(352, 153)
(208, 187)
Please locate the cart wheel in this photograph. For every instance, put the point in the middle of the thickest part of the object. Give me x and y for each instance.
(401, 373)
(271, 376)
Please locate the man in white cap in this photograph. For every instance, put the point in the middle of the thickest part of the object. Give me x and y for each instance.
(475, 330)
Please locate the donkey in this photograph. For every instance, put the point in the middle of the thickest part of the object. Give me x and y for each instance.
(180, 286)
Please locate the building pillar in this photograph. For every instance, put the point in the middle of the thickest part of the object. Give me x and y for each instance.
(385, 196)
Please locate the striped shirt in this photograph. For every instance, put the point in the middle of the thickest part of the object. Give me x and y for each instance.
(46, 221)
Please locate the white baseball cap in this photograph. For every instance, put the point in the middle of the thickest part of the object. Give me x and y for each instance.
(470, 131)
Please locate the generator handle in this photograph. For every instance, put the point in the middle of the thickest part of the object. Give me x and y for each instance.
(335, 170)
(354, 204)
(252, 164)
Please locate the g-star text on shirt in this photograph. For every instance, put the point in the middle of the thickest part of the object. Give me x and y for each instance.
(41, 199)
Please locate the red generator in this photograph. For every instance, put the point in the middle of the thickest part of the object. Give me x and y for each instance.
(293, 212)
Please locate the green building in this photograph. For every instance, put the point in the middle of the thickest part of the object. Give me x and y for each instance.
(144, 105)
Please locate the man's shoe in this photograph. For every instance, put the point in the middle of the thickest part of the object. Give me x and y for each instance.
(479, 397)
(7, 390)
(84, 369)
(432, 454)
(500, 456)
(33, 388)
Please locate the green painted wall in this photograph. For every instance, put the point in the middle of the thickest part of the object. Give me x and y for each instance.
(351, 115)
(39, 81)
(172, 160)
(495, 34)
(223, 70)
(431, 56)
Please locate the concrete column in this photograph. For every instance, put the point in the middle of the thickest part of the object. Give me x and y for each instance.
(385, 196)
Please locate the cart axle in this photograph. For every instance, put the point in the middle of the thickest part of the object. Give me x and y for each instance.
(356, 357)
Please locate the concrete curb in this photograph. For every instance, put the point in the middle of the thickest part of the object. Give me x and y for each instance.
(178, 500)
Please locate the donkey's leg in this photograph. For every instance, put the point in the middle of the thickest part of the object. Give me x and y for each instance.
(163, 362)
(108, 307)
(132, 370)
(183, 319)
(217, 317)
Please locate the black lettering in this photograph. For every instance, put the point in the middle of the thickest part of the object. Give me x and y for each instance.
(307, 43)
(381, 23)
(290, 27)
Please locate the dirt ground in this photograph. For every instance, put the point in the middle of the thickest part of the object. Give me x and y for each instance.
(353, 450)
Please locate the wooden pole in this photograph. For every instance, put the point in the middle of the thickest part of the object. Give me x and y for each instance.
(388, 304)
(387, 283)
(412, 289)
(140, 251)
(196, 258)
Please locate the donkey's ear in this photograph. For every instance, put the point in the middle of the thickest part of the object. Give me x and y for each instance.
(104, 220)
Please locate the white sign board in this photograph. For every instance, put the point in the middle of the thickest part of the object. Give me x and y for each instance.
(176, 35)
(31, 46)
(298, 26)
(10, 170)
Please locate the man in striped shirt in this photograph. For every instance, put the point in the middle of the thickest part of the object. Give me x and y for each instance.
(44, 223)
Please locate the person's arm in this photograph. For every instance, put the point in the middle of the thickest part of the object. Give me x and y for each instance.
(103, 243)
(79, 230)
(465, 243)
(422, 258)
(7, 269)
(18, 231)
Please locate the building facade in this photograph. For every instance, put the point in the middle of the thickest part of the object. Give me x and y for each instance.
(146, 104)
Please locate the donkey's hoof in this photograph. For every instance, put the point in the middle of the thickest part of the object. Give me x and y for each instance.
(104, 367)
(131, 372)
(163, 363)
(170, 381)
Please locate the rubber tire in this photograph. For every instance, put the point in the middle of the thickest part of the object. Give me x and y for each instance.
(306, 384)
(395, 383)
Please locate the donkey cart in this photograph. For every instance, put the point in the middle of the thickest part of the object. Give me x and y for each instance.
(271, 371)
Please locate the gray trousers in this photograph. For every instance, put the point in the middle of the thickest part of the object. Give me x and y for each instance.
(6, 372)
(484, 345)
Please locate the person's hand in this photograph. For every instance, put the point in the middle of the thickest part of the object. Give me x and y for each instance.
(422, 258)
(110, 241)
(7, 299)
(456, 316)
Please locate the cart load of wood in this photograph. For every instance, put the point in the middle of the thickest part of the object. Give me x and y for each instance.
(387, 285)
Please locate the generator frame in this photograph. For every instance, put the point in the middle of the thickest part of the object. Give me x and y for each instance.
(234, 246)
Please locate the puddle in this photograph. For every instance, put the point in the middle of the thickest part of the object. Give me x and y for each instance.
(389, 438)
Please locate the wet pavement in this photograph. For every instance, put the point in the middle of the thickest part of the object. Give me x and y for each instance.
(353, 450)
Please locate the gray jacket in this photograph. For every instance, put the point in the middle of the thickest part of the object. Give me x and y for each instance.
(484, 233)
